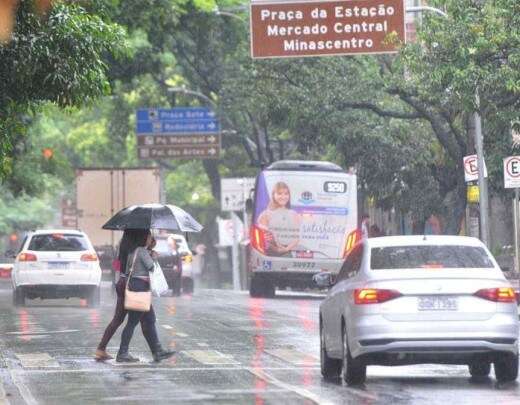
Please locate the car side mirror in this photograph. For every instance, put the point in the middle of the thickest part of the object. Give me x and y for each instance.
(249, 205)
(324, 280)
(505, 269)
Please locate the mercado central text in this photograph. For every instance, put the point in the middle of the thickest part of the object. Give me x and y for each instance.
(290, 23)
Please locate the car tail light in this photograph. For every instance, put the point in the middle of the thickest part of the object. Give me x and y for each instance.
(5, 272)
(27, 257)
(374, 295)
(187, 259)
(352, 238)
(258, 239)
(89, 257)
(501, 294)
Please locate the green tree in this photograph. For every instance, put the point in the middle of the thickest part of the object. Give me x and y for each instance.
(59, 59)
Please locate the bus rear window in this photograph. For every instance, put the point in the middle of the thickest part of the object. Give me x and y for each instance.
(429, 257)
(58, 242)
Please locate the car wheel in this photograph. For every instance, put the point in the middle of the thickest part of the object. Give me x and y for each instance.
(187, 285)
(354, 371)
(480, 369)
(506, 367)
(18, 297)
(261, 287)
(330, 368)
(94, 298)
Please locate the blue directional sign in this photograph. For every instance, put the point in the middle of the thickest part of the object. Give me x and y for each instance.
(178, 127)
(173, 114)
(178, 133)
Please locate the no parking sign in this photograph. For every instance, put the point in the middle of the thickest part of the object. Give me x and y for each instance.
(512, 172)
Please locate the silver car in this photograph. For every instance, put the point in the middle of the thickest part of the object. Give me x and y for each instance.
(418, 299)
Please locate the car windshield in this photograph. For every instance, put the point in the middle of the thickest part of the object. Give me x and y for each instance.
(58, 242)
(414, 257)
(162, 245)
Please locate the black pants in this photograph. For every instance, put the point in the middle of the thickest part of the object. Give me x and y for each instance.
(119, 318)
(147, 319)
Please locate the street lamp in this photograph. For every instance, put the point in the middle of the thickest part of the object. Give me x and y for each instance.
(482, 183)
(184, 90)
(217, 11)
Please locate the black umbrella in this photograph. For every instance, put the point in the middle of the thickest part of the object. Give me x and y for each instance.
(153, 216)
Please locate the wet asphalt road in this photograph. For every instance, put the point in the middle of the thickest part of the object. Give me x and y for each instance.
(232, 349)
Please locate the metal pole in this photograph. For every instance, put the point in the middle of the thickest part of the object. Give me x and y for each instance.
(234, 250)
(482, 182)
(515, 220)
(162, 185)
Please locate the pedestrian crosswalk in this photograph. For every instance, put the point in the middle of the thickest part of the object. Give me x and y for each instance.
(202, 354)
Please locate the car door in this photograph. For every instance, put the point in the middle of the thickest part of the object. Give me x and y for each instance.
(338, 299)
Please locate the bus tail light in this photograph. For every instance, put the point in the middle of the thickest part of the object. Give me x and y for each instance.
(374, 295)
(258, 238)
(89, 257)
(501, 294)
(27, 257)
(352, 238)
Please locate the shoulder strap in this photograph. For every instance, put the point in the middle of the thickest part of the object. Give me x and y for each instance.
(131, 268)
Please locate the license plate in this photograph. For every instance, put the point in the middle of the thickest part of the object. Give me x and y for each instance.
(58, 265)
(437, 304)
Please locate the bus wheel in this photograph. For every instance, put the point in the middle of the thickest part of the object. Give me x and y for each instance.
(261, 287)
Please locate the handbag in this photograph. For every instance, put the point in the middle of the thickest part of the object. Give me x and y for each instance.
(158, 282)
(140, 301)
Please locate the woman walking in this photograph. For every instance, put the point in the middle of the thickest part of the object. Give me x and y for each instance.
(139, 264)
(130, 240)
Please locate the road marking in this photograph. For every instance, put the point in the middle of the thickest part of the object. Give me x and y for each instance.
(3, 397)
(210, 357)
(36, 360)
(151, 367)
(167, 327)
(183, 335)
(22, 389)
(43, 332)
(260, 373)
(202, 344)
(294, 357)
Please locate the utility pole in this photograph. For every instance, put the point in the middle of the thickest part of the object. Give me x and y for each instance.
(482, 182)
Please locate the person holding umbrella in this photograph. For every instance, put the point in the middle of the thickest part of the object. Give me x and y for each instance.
(136, 222)
(132, 238)
(139, 264)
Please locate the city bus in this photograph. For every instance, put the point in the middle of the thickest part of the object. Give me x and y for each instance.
(304, 222)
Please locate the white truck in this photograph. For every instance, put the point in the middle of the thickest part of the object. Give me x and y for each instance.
(101, 192)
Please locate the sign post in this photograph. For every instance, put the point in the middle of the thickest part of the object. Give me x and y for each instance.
(512, 180)
(233, 195)
(281, 29)
(177, 133)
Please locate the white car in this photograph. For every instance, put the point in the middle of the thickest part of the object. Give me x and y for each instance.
(56, 264)
(418, 299)
(185, 283)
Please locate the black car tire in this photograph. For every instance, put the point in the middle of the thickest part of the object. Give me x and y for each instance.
(480, 369)
(354, 371)
(94, 298)
(330, 368)
(261, 287)
(187, 285)
(18, 297)
(506, 367)
(176, 284)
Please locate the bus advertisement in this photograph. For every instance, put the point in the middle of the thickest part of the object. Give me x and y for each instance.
(304, 219)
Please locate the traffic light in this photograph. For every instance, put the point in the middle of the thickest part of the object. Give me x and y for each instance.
(47, 153)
